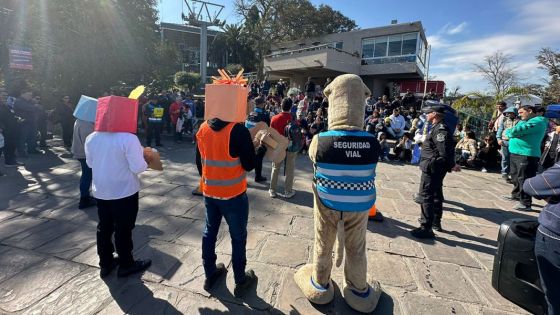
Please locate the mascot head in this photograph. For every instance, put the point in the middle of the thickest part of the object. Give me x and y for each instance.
(346, 94)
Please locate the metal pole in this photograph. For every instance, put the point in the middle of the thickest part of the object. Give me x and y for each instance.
(203, 51)
(429, 52)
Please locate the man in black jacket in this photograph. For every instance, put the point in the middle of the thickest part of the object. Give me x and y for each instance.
(258, 115)
(225, 196)
(10, 130)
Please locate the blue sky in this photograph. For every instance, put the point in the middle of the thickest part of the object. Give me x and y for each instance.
(461, 32)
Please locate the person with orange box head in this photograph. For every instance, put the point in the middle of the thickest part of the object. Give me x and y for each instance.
(224, 153)
(116, 157)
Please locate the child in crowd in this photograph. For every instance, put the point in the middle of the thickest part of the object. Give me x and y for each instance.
(382, 138)
(403, 150)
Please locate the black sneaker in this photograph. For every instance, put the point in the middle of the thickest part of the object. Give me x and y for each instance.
(196, 192)
(437, 227)
(87, 202)
(137, 266)
(105, 271)
(242, 288)
(417, 199)
(509, 198)
(210, 281)
(422, 233)
(260, 179)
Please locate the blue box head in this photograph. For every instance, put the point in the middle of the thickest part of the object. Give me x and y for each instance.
(86, 109)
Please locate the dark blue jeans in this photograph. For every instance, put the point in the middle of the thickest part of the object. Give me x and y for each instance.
(547, 251)
(236, 213)
(85, 179)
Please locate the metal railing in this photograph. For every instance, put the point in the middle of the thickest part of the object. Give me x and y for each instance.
(282, 53)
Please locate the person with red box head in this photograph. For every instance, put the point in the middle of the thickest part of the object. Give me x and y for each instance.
(224, 154)
(116, 158)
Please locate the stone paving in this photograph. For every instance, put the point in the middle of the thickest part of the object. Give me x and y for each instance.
(48, 259)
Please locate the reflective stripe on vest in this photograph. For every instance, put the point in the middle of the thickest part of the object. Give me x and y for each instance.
(346, 187)
(223, 176)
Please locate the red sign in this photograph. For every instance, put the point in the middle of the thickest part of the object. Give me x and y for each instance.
(20, 58)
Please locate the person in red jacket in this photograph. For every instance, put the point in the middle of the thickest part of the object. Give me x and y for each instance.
(174, 114)
(279, 122)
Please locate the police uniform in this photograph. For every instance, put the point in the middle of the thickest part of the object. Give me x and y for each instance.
(155, 113)
(437, 158)
(256, 116)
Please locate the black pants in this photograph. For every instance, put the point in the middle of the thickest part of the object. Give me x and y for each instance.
(118, 217)
(404, 155)
(10, 145)
(67, 132)
(521, 168)
(154, 130)
(431, 194)
(42, 126)
(258, 164)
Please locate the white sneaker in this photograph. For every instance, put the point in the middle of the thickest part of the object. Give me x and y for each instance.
(290, 194)
(483, 170)
(272, 193)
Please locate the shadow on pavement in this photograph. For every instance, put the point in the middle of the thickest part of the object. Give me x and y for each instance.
(493, 215)
(137, 299)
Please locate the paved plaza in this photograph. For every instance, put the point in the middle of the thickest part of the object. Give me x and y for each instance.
(48, 259)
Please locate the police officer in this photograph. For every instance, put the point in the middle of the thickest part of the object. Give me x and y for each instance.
(155, 112)
(258, 115)
(437, 158)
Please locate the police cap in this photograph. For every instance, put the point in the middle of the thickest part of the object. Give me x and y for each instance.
(434, 107)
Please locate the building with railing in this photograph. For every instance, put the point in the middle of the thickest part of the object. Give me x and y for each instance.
(382, 56)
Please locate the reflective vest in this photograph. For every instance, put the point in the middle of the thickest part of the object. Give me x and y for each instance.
(157, 114)
(345, 169)
(223, 177)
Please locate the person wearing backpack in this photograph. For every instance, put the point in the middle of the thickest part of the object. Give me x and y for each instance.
(286, 125)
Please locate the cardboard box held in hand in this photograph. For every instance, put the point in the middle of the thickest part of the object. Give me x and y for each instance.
(226, 98)
(276, 144)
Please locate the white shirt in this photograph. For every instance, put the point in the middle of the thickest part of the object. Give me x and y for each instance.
(116, 159)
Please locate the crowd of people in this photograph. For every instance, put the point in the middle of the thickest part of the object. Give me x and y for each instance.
(520, 143)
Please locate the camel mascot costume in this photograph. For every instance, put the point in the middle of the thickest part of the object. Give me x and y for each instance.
(344, 159)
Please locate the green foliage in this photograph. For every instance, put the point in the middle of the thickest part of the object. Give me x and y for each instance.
(550, 61)
(87, 46)
(234, 68)
(271, 21)
(187, 80)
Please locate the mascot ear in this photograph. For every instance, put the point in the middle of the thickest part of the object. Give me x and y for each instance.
(328, 90)
(366, 90)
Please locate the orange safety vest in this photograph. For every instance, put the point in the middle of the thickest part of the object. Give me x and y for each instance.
(223, 177)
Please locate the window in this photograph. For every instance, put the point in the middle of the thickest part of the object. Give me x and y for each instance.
(395, 45)
(409, 44)
(367, 48)
(338, 45)
(380, 49)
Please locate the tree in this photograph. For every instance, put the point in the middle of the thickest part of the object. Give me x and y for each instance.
(187, 80)
(234, 68)
(550, 61)
(272, 21)
(499, 73)
(84, 47)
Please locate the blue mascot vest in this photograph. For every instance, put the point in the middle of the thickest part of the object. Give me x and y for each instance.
(345, 169)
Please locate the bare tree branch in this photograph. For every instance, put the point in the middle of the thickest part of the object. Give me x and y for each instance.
(497, 70)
